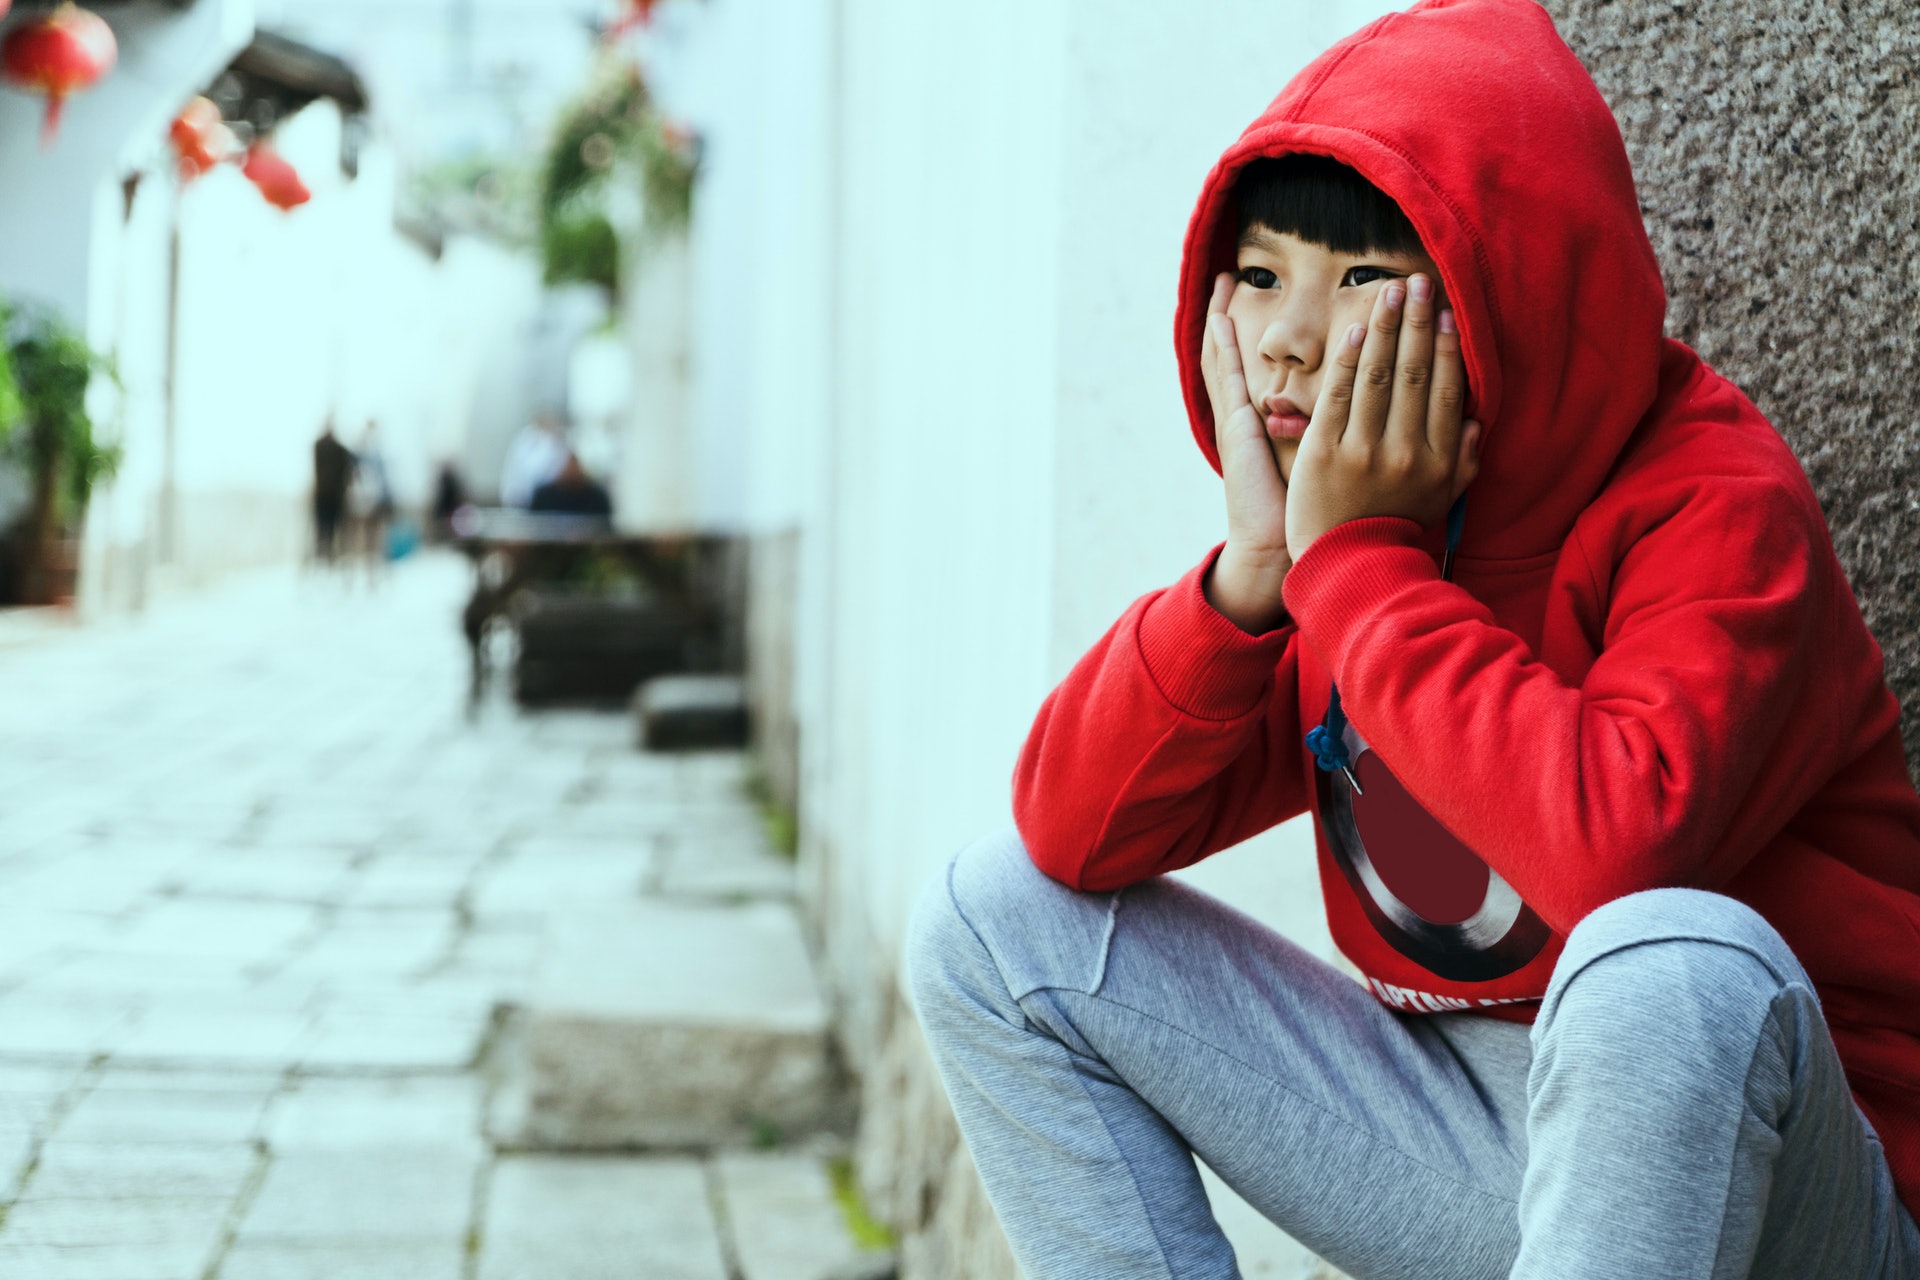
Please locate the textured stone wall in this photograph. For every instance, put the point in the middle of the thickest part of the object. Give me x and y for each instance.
(1777, 148)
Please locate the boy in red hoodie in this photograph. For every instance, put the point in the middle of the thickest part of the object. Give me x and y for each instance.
(1539, 618)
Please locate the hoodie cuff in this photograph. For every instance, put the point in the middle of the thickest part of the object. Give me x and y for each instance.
(1200, 661)
(1346, 574)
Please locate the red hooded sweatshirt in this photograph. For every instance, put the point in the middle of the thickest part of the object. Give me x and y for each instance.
(1647, 670)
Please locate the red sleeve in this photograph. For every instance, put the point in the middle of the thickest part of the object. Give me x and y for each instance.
(1696, 734)
(1176, 736)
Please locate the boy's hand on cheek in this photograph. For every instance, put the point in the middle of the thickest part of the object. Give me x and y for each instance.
(1245, 583)
(1387, 437)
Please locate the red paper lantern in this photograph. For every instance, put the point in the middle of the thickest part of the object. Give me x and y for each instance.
(638, 14)
(200, 138)
(277, 179)
(62, 53)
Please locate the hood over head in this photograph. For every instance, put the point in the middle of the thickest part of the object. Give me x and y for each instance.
(1477, 119)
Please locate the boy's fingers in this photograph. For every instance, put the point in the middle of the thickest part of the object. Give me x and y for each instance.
(1447, 398)
(1413, 370)
(1334, 410)
(1222, 292)
(1233, 379)
(1373, 383)
(1210, 358)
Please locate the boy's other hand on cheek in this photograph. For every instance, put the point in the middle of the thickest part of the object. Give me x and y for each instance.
(1387, 436)
(1245, 583)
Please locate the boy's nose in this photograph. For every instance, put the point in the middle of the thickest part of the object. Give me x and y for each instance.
(1295, 338)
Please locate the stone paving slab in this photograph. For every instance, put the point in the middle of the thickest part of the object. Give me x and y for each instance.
(725, 865)
(537, 880)
(363, 1042)
(33, 1026)
(166, 1117)
(606, 1218)
(177, 1261)
(198, 1030)
(134, 1171)
(17, 1147)
(320, 1197)
(359, 1114)
(698, 964)
(785, 1222)
(272, 1260)
(185, 1222)
(247, 932)
(264, 882)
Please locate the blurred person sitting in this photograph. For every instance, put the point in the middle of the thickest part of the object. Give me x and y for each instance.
(449, 495)
(333, 467)
(370, 501)
(535, 455)
(573, 492)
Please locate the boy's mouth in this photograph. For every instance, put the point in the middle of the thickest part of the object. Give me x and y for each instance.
(1285, 419)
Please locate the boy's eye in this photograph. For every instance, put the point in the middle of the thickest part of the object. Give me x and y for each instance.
(1258, 277)
(1357, 276)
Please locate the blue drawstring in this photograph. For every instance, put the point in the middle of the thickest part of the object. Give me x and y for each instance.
(1328, 739)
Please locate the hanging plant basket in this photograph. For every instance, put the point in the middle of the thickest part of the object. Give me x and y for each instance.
(614, 135)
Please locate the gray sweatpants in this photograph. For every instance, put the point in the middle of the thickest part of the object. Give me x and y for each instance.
(1677, 1109)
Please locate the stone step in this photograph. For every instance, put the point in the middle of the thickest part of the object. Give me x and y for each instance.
(670, 1025)
(691, 713)
(786, 1224)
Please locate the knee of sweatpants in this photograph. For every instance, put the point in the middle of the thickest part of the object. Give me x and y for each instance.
(990, 919)
(1667, 969)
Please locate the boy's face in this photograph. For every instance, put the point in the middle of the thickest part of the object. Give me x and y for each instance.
(1289, 298)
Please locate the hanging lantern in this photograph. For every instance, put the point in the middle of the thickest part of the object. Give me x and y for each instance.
(200, 138)
(277, 180)
(638, 14)
(62, 53)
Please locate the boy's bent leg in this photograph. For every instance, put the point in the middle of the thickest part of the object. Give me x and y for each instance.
(1689, 1115)
(1091, 1042)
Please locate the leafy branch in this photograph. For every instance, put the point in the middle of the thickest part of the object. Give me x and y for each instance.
(607, 143)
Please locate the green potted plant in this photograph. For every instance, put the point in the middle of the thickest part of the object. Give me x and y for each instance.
(45, 426)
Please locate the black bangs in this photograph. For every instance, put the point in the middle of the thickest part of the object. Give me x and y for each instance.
(1323, 202)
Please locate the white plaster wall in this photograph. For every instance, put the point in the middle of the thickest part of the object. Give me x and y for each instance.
(655, 487)
(1010, 463)
(934, 259)
(999, 460)
(947, 287)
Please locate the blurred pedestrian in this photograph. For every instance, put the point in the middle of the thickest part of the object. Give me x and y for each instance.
(332, 471)
(573, 492)
(449, 495)
(534, 456)
(370, 502)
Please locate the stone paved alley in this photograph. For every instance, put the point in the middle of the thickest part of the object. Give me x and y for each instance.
(263, 888)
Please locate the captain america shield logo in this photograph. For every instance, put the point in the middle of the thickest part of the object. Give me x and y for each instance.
(1428, 895)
